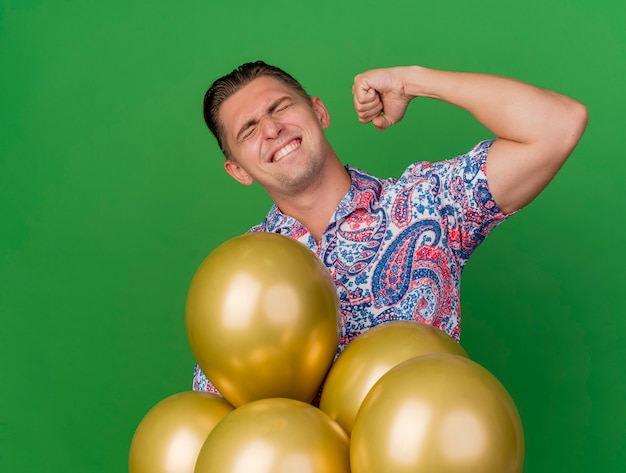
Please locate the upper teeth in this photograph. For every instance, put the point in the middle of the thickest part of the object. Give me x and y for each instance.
(286, 149)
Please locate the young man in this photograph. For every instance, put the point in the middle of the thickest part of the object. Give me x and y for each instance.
(396, 247)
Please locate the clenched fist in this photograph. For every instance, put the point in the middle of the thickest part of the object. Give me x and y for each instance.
(380, 96)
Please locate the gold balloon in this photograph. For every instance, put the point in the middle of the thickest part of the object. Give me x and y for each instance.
(372, 354)
(262, 319)
(442, 413)
(275, 436)
(170, 435)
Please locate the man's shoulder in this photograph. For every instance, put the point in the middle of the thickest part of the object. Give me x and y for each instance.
(269, 223)
(258, 228)
(277, 222)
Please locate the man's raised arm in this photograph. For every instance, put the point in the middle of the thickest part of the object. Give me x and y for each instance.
(536, 129)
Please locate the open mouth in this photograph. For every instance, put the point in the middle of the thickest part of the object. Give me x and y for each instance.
(285, 150)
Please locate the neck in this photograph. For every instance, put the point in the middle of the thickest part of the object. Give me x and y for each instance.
(315, 206)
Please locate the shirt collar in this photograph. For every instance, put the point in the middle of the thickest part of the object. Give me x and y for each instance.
(364, 193)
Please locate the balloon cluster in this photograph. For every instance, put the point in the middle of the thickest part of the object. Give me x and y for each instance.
(262, 321)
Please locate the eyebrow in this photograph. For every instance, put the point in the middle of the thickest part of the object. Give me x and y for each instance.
(253, 121)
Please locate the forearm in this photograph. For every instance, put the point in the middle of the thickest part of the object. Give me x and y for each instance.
(510, 109)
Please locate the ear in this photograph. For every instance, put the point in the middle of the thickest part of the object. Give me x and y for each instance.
(320, 110)
(238, 173)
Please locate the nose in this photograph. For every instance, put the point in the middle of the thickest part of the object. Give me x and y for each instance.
(270, 128)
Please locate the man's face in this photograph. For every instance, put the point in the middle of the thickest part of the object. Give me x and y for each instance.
(275, 136)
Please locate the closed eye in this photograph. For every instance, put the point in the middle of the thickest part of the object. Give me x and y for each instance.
(248, 133)
(282, 108)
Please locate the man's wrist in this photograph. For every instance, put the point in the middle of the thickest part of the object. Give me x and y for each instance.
(419, 81)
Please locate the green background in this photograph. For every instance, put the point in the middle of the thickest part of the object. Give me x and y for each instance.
(112, 192)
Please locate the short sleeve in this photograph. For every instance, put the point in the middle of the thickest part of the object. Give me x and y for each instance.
(457, 191)
(470, 211)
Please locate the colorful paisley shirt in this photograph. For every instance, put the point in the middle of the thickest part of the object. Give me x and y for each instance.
(396, 247)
